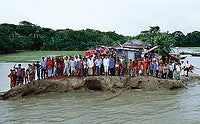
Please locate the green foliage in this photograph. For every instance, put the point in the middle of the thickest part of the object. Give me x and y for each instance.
(28, 36)
(155, 37)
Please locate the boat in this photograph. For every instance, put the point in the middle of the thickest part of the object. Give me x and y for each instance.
(177, 56)
(195, 54)
(182, 57)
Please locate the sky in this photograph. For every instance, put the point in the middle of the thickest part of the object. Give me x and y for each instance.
(126, 17)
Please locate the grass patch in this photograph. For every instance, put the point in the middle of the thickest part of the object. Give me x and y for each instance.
(27, 56)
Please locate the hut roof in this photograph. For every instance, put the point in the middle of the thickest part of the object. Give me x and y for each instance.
(136, 44)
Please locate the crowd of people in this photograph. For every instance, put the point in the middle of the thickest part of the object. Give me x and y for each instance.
(97, 65)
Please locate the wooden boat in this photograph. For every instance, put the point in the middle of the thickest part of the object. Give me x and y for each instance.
(195, 54)
(177, 56)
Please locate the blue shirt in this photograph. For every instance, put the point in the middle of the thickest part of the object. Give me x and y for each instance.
(72, 64)
(154, 66)
(43, 64)
(112, 63)
(98, 62)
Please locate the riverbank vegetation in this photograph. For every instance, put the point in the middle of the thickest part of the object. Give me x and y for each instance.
(28, 36)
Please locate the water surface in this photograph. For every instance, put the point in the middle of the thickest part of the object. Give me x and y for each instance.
(166, 107)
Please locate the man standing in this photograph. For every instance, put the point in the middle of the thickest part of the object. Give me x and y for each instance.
(112, 66)
(43, 68)
(72, 64)
(98, 63)
(178, 70)
(187, 66)
(90, 64)
(106, 65)
(66, 69)
(37, 65)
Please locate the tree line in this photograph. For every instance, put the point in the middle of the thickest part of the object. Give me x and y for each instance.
(28, 36)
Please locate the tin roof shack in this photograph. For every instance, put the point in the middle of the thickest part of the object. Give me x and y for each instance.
(126, 52)
(132, 49)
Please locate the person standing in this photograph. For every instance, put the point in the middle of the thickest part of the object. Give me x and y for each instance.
(170, 74)
(85, 67)
(43, 68)
(12, 77)
(165, 71)
(124, 66)
(38, 67)
(54, 67)
(31, 72)
(66, 69)
(77, 59)
(62, 65)
(112, 66)
(49, 67)
(145, 67)
(19, 74)
(131, 68)
(187, 66)
(106, 65)
(80, 67)
(72, 64)
(155, 68)
(160, 70)
(98, 63)
(90, 64)
(182, 73)
(117, 67)
(178, 70)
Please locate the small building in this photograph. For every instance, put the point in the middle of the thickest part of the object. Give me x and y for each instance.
(132, 49)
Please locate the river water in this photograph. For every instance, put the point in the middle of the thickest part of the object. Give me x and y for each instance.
(166, 107)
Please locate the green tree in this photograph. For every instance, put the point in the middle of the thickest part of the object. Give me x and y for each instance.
(193, 39)
(107, 41)
(153, 36)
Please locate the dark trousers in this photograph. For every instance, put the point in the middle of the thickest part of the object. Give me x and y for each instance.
(112, 71)
(38, 73)
(85, 72)
(187, 70)
(170, 75)
(43, 73)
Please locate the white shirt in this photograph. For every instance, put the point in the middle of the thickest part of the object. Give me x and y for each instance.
(106, 62)
(178, 69)
(187, 65)
(90, 63)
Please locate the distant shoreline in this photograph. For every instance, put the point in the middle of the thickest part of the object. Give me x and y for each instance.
(33, 56)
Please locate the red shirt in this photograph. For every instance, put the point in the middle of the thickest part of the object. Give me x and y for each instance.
(145, 65)
(49, 65)
(139, 65)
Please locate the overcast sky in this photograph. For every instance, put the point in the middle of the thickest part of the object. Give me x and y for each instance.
(127, 17)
